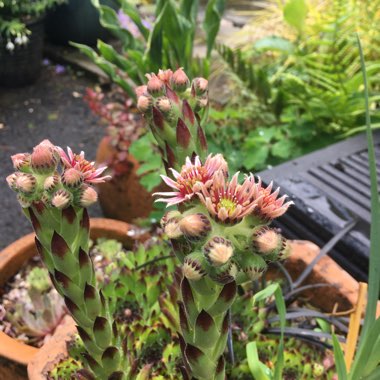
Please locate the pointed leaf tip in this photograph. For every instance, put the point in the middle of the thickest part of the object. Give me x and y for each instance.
(183, 134)
(59, 246)
(204, 321)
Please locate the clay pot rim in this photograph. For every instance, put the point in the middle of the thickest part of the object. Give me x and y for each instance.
(22, 353)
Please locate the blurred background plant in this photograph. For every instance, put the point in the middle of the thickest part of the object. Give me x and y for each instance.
(296, 65)
(32, 309)
(14, 15)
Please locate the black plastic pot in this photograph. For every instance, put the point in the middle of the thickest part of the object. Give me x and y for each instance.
(22, 66)
(76, 21)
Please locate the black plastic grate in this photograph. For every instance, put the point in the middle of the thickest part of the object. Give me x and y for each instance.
(330, 188)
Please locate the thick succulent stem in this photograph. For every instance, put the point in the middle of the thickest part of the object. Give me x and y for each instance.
(62, 240)
(204, 321)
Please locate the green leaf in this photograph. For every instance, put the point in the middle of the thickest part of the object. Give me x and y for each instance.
(295, 12)
(258, 370)
(281, 309)
(275, 43)
(339, 359)
(150, 181)
(255, 156)
(282, 148)
(211, 24)
(265, 293)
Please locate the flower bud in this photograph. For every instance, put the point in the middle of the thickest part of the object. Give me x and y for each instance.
(24, 202)
(51, 183)
(144, 103)
(195, 226)
(88, 197)
(163, 104)
(21, 161)
(61, 199)
(155, 85)
(218, 251)
(267, 241)
(202, 102)
(285, 250)
(165, 75)
(169, 215)
(192, 267)
(72, 178)
(11, 180)
(141, 90)
(172, 229)
(252, 265)
(225, 273)
(25, 182)
(179, 80)
(200, 86)
(44, 158)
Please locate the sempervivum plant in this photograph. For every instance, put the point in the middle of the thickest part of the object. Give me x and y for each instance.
(220, 231)
(55, 202)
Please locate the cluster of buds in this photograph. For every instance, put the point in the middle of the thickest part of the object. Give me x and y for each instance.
(37, 179)
(174, 108)
(224, 226)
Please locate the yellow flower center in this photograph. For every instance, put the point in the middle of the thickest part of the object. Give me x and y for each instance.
(229, 205)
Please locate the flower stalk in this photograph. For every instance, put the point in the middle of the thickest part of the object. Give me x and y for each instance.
(55, 203)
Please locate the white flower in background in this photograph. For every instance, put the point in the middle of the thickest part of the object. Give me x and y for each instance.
(10, 45)
(24, 39)
(18, 40)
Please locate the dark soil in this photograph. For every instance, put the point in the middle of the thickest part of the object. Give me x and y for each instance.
(52, 108)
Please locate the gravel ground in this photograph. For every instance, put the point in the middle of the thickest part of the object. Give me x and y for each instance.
(51, 108)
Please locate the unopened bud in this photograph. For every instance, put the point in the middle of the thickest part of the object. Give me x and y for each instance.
(163, 104)
(192, 267)
(51, 183)
(202, 102)
(155, 85)
(11, 180)
(200, 86)
(218, 251)
(44, 158)
(225, 273)
(252, 265)
(141, 90)
(61, 199)
(172, 229)
(267, 241)
(72, 178)
(195, 226)
(165, 75)
(21, 161)
(24, 202)
(25, 182)
(179, 80)
(285, 250)
(144, 103)
(169, 215)
(88, 197)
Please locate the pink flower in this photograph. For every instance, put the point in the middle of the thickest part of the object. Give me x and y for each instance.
(192, 176)
(229, 201)
(269, 206)
(86, 168)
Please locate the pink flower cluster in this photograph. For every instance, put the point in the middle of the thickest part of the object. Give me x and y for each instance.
(226, 201)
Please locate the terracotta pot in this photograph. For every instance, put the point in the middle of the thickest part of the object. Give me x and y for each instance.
(17, 253)
(344, 291)
(122, 198)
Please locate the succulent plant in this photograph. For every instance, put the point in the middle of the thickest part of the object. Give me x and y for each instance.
(220, 232)
(55, 203)
(174, 108)
(34, 308)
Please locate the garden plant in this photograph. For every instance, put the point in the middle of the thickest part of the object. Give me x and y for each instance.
(14, 16)
(218, 225)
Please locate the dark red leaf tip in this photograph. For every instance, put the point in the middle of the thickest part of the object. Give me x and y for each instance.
(183, 134)
(58, 245)
(158, 118)
(187, 112)
(204, 321)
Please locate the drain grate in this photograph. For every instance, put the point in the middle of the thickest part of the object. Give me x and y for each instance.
(330, 188)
